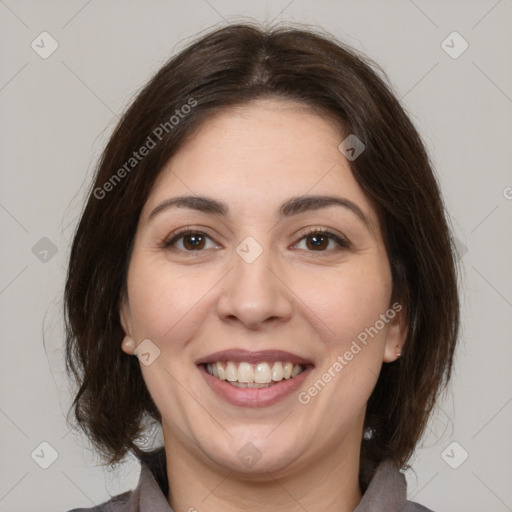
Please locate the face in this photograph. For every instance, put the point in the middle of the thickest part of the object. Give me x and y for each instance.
(262, 329)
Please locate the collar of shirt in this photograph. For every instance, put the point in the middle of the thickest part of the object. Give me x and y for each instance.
(387, 490)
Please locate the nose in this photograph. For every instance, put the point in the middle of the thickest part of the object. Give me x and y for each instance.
(254, 294)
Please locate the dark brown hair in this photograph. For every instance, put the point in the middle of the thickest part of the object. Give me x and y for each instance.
(232, 66)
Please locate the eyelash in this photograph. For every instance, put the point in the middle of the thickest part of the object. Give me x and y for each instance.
(342, 242)
(174, 237)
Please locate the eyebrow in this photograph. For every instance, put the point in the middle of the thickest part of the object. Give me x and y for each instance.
(291, 207)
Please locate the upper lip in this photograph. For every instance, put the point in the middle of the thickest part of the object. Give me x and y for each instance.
(249, 356)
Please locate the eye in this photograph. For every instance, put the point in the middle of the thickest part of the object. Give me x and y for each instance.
(193, 240)
(189, 240)
(320, 240)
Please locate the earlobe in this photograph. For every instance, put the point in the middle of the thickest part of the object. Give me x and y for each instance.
(392, 353)
(128, 344)
(396, 336)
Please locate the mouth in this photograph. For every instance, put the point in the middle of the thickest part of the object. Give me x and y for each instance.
(254, 379)
(254, 376)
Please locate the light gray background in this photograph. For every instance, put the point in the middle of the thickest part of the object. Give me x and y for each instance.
(57, 114)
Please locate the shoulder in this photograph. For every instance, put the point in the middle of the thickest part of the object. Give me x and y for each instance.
(387, 490)
(415, 507)
(150, 493)
(120, 503)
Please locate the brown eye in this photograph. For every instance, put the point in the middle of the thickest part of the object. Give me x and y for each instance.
(320, 241)
(189, 240)
(317, 242)
(193, 242)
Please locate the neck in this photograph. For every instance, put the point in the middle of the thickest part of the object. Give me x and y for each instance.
(331, 483)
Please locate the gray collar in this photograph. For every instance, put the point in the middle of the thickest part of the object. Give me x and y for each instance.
(387, 491)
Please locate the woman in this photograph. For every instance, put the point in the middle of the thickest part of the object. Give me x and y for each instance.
(264, 268)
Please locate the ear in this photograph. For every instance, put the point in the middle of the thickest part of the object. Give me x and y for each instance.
(128, 344)
(397, 333)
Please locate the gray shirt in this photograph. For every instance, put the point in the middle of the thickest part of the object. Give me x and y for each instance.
(386, 492)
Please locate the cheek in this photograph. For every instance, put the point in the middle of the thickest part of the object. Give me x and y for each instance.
(153, 304)
(348, 301)
(348, 308)
(164, 300)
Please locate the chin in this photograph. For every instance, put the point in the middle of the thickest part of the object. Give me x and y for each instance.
(255, 456)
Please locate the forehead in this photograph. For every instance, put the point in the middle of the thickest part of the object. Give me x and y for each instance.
(257, 155)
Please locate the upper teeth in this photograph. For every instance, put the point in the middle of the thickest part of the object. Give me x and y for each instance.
(261, 373)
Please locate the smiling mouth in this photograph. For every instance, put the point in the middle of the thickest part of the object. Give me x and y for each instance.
(261, 375)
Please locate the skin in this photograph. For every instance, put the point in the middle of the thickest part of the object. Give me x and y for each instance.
(293, 297)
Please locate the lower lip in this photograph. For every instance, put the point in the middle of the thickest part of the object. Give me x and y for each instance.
(254, 397)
